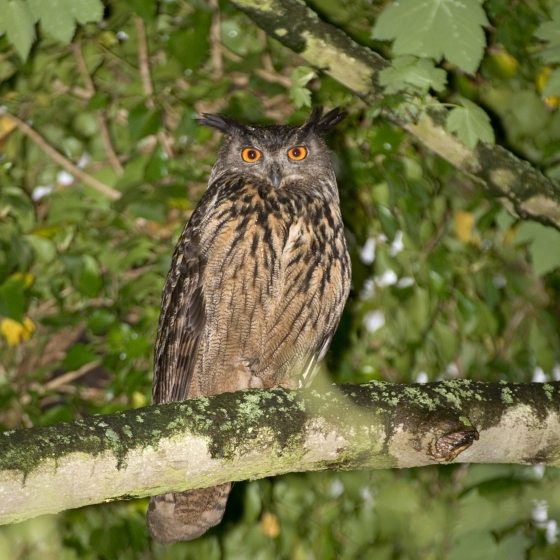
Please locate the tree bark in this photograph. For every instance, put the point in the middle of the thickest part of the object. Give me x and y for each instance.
(257, 433)
(521, 188)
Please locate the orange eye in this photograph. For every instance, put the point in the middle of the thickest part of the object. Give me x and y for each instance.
(250, 155)
(298, 153)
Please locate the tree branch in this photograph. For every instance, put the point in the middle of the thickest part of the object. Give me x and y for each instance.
(100, 116)
(520, 187)
(58, 158)
(253, 434)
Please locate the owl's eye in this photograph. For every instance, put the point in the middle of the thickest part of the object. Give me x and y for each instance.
(298, 153)
(250, 155)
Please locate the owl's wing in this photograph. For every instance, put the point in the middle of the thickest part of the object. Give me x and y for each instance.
(313, 362)
(181, 321)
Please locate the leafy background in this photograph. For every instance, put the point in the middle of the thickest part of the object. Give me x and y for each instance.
(446, 283)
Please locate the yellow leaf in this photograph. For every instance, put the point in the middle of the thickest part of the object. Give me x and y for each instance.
(542, 78)
(553, 101)
(25, 277)
(270, 525)
(6, 127)
(464, 224)
(14, 332)
(506, 63)
(139, 399)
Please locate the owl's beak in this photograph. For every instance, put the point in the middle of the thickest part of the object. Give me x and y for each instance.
(275, 175)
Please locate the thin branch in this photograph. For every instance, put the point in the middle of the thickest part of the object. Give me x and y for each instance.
(143, 59)
(101, 122)
(252, 434)
(58, 158)
(215, 40)
(147, 86)
(70, 376)
(522, 189)
(274, 77)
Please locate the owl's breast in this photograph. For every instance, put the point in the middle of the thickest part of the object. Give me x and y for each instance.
(276, 279)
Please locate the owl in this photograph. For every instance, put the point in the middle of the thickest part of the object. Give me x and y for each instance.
(257, 284)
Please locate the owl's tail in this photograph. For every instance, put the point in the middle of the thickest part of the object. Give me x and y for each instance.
(184, 516)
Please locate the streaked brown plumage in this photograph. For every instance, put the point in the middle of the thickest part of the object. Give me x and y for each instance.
(257, 284)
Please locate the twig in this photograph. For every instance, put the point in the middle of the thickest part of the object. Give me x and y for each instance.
(144, 61)
(71, 375)
(101, 122)
(147, 86)
(274, 77)
(215, 50)
(57, 157)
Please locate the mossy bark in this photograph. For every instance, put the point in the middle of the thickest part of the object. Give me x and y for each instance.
(258, 433)
(522, 189)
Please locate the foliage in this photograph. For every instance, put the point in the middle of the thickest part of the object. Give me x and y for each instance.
(446, 283)
(436, 29)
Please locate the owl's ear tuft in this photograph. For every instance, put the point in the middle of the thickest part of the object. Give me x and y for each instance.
(322, 124)
(223, 123)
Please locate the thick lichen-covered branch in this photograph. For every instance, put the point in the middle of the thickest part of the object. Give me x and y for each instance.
(519, 186)
(259, 433)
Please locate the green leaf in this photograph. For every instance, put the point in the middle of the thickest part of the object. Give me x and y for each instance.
(302, 75)
(79, 355)
(12, 299)
(300, 96)
(550, 31)
(146, 9)
(156, 168)
(544, 245)
(478, 545)
(190, 46)
(142, 122)
(90, 281)
(552, 87)
(436, 29)
(409, 71)
(18, 22)
(59, 18)
(471, 124)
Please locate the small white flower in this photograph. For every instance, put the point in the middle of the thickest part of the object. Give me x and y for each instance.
(556, 372)
(500, 281)
(452, 370)
(122, 36)
(551, 531)
(539, 515)
(84, 160)
(367, 252)
(397, 246)
(388, 278)
(539, 470)
(422, 377)
(64, 178)
(368, 291)
(367, 496)
(337, 488)
(539, 376)
(405, 282)
(374, 320)
(39, 192)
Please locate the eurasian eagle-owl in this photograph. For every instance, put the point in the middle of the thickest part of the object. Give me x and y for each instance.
(257, 284)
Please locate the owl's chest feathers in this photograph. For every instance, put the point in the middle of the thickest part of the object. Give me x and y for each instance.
(260, 242)
(275, 280)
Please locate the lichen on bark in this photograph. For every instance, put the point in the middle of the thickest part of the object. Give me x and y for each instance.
(251, 434)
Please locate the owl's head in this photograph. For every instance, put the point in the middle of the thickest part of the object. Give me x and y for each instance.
(279, 155)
